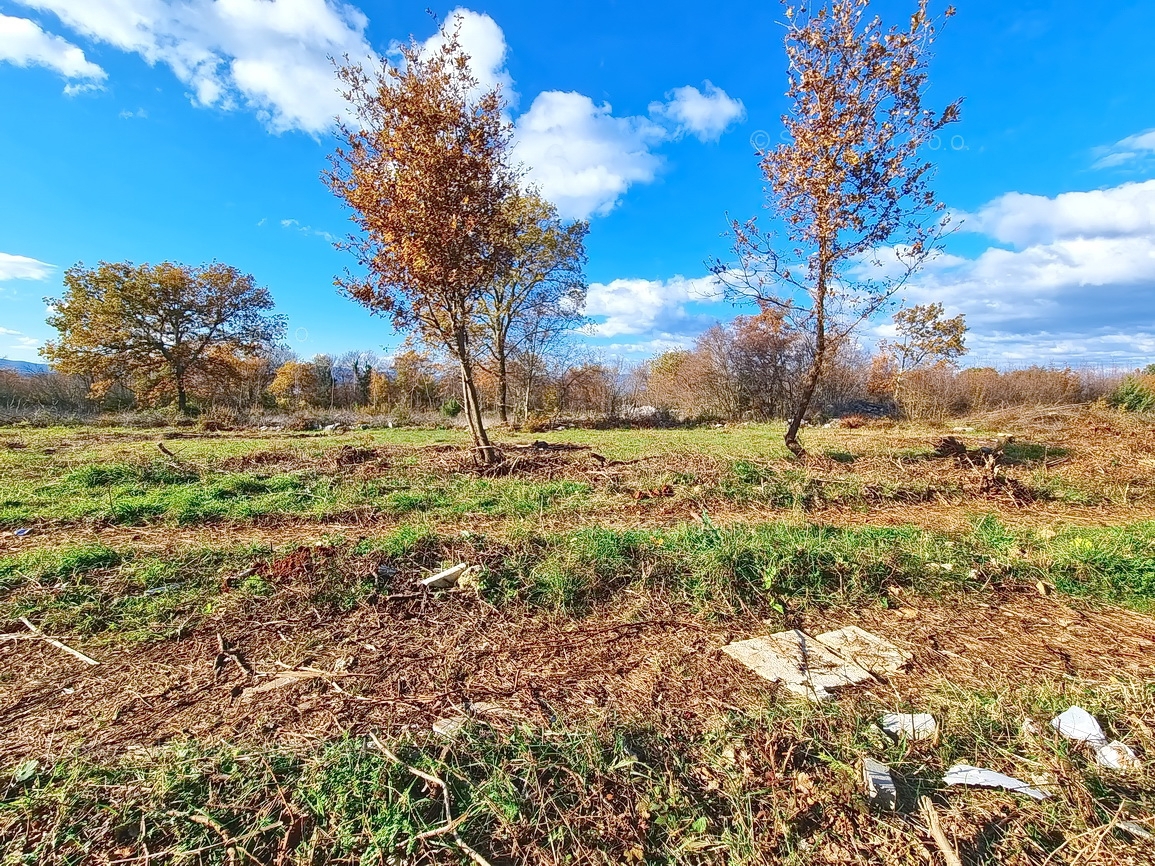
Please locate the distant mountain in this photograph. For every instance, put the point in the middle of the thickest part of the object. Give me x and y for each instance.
(25, 367)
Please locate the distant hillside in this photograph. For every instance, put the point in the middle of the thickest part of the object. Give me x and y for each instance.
(25, 367)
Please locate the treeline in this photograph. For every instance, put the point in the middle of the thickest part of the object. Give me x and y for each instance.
(410, 384)
(751, 369)
(743, 371)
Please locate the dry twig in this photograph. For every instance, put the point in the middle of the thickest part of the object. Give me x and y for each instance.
(451, 824)
(88, 660)
(949, 855)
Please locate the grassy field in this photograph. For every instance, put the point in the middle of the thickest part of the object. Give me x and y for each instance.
(274, 684)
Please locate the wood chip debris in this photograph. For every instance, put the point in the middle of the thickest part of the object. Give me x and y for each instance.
(815, 666)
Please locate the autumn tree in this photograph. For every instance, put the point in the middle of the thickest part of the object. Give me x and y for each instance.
(540, 296)
(924, 336)
(162, 326)
(853, 196)
(424, 166)
(296, 384)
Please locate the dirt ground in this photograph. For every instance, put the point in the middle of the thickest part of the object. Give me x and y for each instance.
(407, 663)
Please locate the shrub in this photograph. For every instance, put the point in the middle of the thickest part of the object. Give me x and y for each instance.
(1135, 394)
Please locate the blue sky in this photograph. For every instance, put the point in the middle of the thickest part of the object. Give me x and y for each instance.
(194, 130)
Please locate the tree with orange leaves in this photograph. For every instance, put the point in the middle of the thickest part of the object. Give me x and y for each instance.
(425, 168)
(853, 195)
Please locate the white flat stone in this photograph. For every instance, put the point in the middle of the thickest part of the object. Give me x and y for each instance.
(913, 726)
(869, 651)
(447, 578)
(799, 662)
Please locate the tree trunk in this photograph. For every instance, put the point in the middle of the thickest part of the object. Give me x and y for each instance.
(814, 374)
(486, 453)
(181, 396)
(502, 385)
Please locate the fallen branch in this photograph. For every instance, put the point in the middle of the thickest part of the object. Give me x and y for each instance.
(949, 855)
(451, 824)
(88, 660)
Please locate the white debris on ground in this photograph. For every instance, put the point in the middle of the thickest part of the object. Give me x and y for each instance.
(913, 726)
(800, 663)
(447, 578)
(965, 774)
(1080, 726)
(864, 649)
(813, 666)
(880, 787)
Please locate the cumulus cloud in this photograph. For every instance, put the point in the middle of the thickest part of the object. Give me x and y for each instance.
(706, 115)
(270, 55)
(14, 267)
(1132, 149)
(630, 307)
(581, 155)
(484, 42)
(24, 43)
(1076, 285)
(584, 157)
(1015, 218)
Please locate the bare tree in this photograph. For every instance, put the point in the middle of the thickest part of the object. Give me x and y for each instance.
(540, 296)
(858, 215)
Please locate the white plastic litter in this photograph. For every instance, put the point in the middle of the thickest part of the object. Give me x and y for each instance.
(964, 774)
(1079, 725)
(1117, 756)
(913, 726)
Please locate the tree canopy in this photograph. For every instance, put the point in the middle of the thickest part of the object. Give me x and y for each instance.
(161, 328)
(426, 171)
(540, 296)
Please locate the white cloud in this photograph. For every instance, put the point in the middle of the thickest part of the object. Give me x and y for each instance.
(484, 42)
(1079, 286)
(706, 115)
(1015, 218)
(630, 307)
(271, 55)
(581, 155)
(1133, 148)
(23, 268)
(304, 229)
(23, 43)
